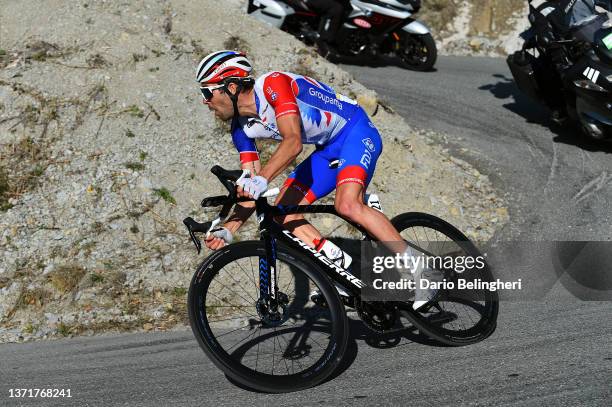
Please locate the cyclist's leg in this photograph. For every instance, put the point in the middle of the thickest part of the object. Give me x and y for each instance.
(359, 153)
(360, 150)
(349, 204)
(303, 188)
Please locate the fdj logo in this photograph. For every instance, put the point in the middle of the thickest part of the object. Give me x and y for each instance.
(369, 144)
(366, 158)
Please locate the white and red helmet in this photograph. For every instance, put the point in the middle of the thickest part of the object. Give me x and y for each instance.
(221, 65)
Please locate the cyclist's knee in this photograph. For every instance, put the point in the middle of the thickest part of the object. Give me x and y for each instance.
(349, 209)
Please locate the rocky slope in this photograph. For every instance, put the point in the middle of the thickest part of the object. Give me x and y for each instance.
(476, 27)
(105, 147)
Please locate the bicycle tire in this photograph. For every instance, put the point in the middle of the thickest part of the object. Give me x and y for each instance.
(233, 364)
(487, 322)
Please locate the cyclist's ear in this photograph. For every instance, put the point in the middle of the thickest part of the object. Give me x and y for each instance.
(230, 87)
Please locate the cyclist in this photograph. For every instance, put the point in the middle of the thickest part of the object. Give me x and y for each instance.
(294, 110)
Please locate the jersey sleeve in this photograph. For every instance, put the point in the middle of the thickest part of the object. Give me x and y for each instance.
(280, 95)
(245, 146)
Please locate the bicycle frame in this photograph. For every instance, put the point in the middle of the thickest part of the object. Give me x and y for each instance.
(270, 232)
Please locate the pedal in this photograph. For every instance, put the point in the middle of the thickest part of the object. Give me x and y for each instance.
(318, 299)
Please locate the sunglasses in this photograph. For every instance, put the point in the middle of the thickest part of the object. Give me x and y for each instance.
(207, 91)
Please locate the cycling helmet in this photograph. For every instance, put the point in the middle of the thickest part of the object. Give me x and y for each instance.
(221, 65)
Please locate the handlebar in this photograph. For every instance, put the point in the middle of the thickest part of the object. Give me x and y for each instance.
(222, 173)
(228, 179)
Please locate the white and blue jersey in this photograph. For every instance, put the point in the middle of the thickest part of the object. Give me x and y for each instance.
(336, 124)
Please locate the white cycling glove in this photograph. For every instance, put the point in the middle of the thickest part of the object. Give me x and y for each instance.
(223, 233)
(254, 186)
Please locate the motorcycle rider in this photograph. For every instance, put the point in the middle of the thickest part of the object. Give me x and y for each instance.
(331, 12)
(552, 21)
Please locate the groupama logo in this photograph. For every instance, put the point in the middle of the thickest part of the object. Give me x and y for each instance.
(325, 98)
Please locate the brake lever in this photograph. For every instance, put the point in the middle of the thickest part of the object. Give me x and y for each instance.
(195, 240)
(193, 227)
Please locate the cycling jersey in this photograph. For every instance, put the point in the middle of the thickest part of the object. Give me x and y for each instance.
(336, 124)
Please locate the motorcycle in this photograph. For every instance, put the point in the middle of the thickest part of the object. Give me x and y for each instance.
(583, 84)
(370, 28)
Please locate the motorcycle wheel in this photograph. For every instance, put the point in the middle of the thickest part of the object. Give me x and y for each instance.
(418, 52)
(591, 129)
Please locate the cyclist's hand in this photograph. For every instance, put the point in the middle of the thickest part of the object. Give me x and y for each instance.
(218, 238)
(242, 193)
(252, 187)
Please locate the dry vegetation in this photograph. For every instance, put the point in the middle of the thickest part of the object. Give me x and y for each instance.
(439, 13)
(66, 278)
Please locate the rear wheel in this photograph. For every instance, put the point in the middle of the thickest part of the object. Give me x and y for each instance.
(288, 345)
(456, 317)
(418, 52)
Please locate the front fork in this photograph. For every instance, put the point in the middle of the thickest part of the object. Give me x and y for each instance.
(268, 280)
(272, 305)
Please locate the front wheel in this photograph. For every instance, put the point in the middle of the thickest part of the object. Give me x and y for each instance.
(457, 317)
(281, 345)
(418, 52)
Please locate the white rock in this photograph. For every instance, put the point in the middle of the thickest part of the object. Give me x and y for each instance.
(52, 318)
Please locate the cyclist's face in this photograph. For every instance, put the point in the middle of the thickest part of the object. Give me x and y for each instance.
(220, 103)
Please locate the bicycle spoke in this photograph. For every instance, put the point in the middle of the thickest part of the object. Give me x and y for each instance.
(239, 342)
(229, 319)
(245, 273)
(238, 283)
(224, 286)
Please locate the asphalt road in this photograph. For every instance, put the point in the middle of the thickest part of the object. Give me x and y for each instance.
(554, 351)
(558, 185)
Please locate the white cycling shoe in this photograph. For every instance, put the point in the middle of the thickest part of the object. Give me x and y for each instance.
(423, 296)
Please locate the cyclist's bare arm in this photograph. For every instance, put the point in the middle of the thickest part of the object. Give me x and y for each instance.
(243, 210)
(289, 148)
(241, 213)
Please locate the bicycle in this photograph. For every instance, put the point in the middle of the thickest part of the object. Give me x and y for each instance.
(251, 310)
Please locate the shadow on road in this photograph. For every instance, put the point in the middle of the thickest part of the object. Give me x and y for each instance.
(534, 113)
(361, 333)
